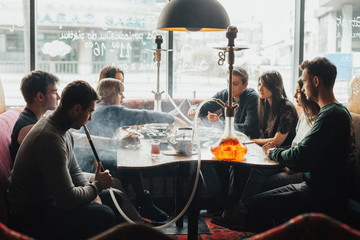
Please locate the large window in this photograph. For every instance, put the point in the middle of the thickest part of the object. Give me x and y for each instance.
(14, 50)
(332, 30)
(264, 27)
(75, 39)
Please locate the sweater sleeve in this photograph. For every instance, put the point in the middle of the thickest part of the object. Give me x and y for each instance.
(319, 145)
(143, 116)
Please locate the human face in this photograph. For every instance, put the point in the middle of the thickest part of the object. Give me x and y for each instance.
(308, 87)
(51, 98)
(120, 96)
(237, 86)
(264, 92)
(119, 76)
(297, 95)
(83, 116)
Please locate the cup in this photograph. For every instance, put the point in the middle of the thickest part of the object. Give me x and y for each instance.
(155, 148)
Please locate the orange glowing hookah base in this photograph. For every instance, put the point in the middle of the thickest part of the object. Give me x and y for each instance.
(229, 149)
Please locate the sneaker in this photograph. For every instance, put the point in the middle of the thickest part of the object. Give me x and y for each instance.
(148, 210)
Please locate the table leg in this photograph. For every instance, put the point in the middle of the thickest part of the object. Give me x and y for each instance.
(193, 217)
(179, 194)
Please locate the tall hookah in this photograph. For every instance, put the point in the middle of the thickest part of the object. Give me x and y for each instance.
(157, 59)
(229, 147)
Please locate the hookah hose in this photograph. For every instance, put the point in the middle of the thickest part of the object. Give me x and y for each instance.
(179, 111)
(102, 168)
(196, 177)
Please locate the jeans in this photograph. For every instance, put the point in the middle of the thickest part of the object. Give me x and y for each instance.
(48, 221)
(274, 207)
(261, 180)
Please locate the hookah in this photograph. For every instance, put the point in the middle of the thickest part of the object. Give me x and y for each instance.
(157, 59)
(229, 147)
(158, 94)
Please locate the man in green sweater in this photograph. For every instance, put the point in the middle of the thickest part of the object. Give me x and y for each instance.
(324, 155)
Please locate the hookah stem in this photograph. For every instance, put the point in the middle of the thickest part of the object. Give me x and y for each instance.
(93, 147)
(158, 73)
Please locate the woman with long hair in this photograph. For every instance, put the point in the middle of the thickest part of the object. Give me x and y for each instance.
(278, 116)
(308, 115)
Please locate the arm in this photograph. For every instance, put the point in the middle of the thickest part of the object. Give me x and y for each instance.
(23, 132)
(127, 117)
(57, 174)
(210, 106)
(251, 124)
(278, 139)
(285, 124)
(324, 145)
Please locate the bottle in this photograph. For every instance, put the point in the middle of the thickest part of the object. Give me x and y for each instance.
(229, 147)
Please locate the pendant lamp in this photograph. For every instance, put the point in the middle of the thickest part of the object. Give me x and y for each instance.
(193, 15)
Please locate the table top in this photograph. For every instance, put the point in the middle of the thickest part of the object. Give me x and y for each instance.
(141, 157)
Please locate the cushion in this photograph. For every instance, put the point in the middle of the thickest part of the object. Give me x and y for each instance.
(310, 226)
(354, 98)
(356, 178)
(7, 122)
(8, 234)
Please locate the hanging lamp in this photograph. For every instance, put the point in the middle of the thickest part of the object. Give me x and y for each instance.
(193, 15)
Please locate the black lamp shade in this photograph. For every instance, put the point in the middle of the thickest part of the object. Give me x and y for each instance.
(193, 15)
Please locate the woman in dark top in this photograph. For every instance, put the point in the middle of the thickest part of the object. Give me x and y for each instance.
(278, 116)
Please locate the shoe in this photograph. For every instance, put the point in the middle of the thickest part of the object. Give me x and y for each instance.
(237, 208)
(148, 210)
(234, 221)
(210, 213)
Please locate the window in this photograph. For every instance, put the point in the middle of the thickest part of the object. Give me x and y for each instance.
(338, 39)
(268, 33)
(13, 48)
(76, 39)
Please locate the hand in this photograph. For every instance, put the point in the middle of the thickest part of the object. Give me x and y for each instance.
(104, 178)
(288, 171)
(212, 117)
(268, 147)
(130, 139)
(192, 112)
(97, 200)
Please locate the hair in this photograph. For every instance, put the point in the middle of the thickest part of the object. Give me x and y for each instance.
(273, 81)
(36, 81)
(241, 72)
(77, 92)
(322, 68)
(311, 108)
(110, 72)
(107, 88)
